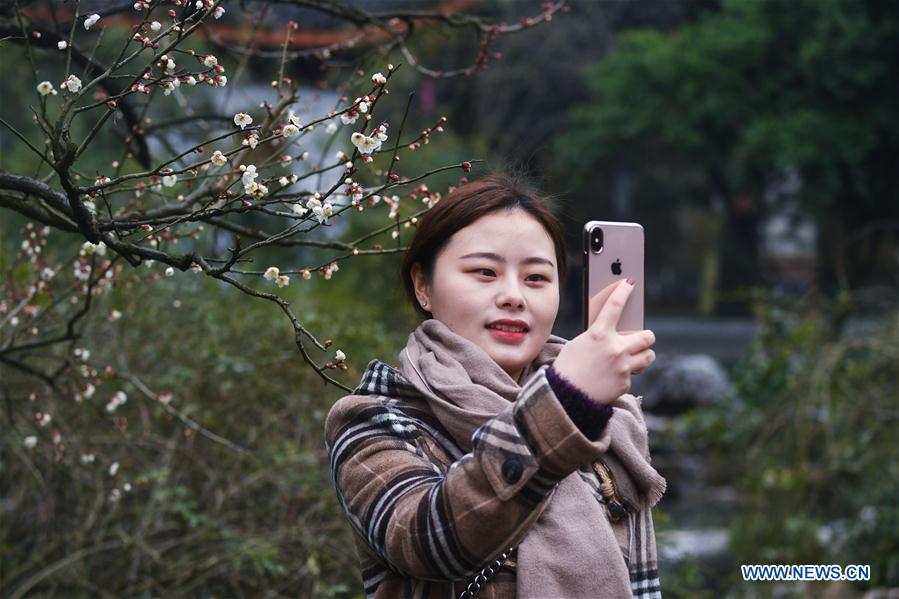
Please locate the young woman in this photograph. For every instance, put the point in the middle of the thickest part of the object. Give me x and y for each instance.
(499, 459)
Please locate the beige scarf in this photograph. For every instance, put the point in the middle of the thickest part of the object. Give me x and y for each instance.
(570, 550)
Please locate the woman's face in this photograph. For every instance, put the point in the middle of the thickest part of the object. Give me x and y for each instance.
(499, 270)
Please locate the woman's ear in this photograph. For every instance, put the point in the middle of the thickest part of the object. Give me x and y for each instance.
(422, 289)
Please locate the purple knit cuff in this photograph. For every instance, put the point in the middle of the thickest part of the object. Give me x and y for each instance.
(588, 415)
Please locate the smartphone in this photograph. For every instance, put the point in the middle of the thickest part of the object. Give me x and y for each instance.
(614, 251)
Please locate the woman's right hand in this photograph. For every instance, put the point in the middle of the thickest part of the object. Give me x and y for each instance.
(600, 360)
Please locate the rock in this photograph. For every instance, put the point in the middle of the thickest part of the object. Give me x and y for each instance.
(676, 545)
(676, 385)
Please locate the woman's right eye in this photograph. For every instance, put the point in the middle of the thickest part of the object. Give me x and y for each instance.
(486, 271)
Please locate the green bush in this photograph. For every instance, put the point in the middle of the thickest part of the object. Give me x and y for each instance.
(811, 440)
(240, 503)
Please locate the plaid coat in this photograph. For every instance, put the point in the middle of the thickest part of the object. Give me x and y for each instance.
(425, 514)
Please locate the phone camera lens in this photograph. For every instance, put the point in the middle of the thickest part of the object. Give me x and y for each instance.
(596, 240)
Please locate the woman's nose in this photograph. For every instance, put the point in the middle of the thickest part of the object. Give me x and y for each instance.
(510, 296)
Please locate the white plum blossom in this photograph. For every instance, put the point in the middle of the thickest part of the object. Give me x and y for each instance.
(259, 190)
(62, 45)
(88, 457)
(218, 12)
(190, 80)
(72, 83)
(381, 133)
(91, 21)
(282, 280)
(293, 118)
(362, 106)
(298, 209)
(118, 399)
(323, 212)
(252, 140)
(364, 143)
(330, 270)
(249, 178)
(115, 315)
(348, 119)
(249, 172)
(272, 273)
(155, 25)
(339, 356)
(89, 248)
(218, 159)
(242, 119)
(82, 272)
(331, 128)
(169, 180)
(29, 442)
(169, 271)
(113, 468)
(45, 87)
(210, 61)
(307, 274)
(289, 130)
(378, 79)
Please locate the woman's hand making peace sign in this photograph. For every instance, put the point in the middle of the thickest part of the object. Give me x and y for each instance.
(600, 360)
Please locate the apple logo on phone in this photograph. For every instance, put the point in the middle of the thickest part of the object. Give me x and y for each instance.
(616, 267)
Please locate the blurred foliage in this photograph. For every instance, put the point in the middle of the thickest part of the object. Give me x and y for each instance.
(772, 85)
(810, 440)
(792, 101)
(199, 517)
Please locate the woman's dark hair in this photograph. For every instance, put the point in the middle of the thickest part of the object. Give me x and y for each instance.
(465, 205)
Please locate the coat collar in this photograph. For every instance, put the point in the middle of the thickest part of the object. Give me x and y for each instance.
(382, 379)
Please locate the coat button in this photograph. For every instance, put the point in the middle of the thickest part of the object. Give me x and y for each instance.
(512, 470)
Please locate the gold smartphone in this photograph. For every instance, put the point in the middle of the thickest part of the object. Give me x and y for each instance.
(614, 251)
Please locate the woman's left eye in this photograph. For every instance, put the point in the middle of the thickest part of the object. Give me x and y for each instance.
(541, 277)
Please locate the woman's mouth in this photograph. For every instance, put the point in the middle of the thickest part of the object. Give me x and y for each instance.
(507, 333)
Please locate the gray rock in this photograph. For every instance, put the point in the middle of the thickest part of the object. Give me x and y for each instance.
(678, 384)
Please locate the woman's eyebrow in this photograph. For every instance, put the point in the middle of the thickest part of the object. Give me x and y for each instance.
(498, 258)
